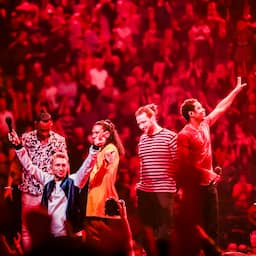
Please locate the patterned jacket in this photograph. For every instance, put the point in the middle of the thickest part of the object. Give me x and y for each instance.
(41, 156)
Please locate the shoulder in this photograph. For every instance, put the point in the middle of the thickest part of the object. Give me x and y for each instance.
(169, 132)
(110, 153)
(185, 132)
(72, 176)
(56, 136)
(29, 136)
(142, 136)
(204, 126)
(110, 147)
(206, 121)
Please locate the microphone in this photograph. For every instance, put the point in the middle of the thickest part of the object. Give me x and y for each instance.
(8, 121)
(218, 171)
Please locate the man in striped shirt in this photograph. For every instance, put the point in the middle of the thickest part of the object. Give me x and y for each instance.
(156, 188)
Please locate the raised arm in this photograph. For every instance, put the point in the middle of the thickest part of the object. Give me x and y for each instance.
(82, 175)
(25, 160)
(226, 102)
(84, 171)
(123, 214)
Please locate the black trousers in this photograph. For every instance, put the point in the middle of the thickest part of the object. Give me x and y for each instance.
(156, 213)
(199, 206)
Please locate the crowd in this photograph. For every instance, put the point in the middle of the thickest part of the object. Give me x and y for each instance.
(84, 61)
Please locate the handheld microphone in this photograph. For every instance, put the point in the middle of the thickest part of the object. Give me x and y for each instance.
(218, 171)
(8, 121)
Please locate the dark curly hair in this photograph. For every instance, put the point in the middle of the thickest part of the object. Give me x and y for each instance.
(186, 106)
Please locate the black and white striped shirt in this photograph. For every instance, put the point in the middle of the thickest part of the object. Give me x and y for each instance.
(157, 155)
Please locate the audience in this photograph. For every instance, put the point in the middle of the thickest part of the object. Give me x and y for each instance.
(85, 60)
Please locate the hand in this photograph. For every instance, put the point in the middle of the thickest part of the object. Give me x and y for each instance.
(217, 179)
(218, 171)
(14, 138)
(8, 193)
(17, 239)
(122, 209)
(180, 194)
(239, 83)
(17, 243)
(100, 140)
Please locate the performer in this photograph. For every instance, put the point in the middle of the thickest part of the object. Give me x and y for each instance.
(102, 183)
(156, 188)
(199, 205)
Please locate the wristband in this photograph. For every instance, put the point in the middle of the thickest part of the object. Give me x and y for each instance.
(19, 146)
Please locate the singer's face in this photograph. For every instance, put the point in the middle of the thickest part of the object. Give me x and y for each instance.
(145, 123)
(199, 111)
(43, 130)
(98, 134)
(60, 168)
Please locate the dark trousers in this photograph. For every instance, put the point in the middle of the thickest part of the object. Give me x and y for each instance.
(209, 210)
(199, 206)
(156, 212)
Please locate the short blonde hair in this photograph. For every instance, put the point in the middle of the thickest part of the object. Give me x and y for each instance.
(62, 155)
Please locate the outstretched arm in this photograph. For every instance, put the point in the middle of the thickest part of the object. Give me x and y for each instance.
(25, 160)
(82, 175)
(226, 102)
(123, 214)
(84, 171)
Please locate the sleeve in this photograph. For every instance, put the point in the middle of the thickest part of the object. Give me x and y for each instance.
(82, 175)
(173, 153)
(182, 148)
(187, 172)
(26, 162)
(173, 146)
(182, 158)
(63, 145)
